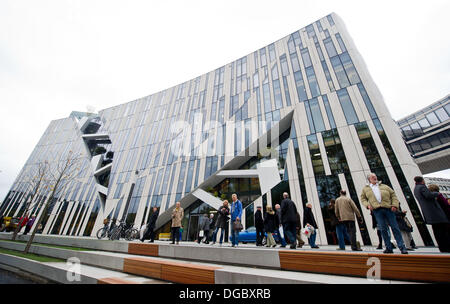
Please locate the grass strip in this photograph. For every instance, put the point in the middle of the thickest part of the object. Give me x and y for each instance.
(30, 256)
(52, 246)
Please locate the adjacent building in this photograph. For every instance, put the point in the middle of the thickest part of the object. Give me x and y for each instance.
(427, 136)
(301, 115)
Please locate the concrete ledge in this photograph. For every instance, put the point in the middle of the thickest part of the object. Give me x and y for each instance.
(85, 257)
(44, 270)
(226, 255)
(82, 242)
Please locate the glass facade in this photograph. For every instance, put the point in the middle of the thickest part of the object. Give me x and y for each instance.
(170, 143)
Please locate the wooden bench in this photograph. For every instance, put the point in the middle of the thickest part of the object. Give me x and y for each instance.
(178, 272)
(143, 249)
(411, 267)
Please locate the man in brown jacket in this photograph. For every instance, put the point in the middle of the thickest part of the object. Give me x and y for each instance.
(345, 210)
(382, 201)
(177, 217)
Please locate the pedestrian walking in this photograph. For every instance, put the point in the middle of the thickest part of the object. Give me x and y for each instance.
(270, 224)
(23, 221)
(289, 219)
(279, 229)
(381, 199)
(308, 219)
(433, 214)
(236, 214)
(203, 228)
(259, 225)
(177, 217)
(221, 222)
(341, 230)
(29, 224)
(211, 228)
(149, 232)
(346, 210)
(333, 221)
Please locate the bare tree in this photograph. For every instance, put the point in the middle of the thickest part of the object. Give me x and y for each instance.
(34, 181)
(58, 176)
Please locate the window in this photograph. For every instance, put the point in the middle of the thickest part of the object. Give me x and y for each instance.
(291, 45)
(319, 26)
(319, 51)
(441, 114)
(301, 91)
(306, 58)
(316, 158)
(266, 98)
(339, 71)
(284, 65)
(297, 39)
(341, 43)
(329, 46)
(295, 63)
(310, 31)
(262, 55)
(329, 112)
(424, 123)
(432, 118)
(272, 54)
(313, 85)
(347, 106)
(330, 20)
(277, 94)
(328, 76)
(349, 68)
(316, 114)
(367, 101)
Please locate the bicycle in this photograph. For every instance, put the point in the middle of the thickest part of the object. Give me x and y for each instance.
(105, 231)
(123, 230)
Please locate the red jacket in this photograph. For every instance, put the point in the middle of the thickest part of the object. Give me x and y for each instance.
(23, 221)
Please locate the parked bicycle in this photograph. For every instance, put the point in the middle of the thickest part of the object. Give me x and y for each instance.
(105, 231)
(123, 230)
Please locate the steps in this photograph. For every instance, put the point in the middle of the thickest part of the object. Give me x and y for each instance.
(204, 264)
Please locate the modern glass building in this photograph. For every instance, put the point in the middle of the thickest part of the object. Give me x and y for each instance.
(301, 115)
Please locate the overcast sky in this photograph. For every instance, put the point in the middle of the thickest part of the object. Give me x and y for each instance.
(58, 56)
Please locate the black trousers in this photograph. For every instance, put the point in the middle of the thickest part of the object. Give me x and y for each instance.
(351, 229)
(259, 236)
(149, 234)
(175, 234)
(442, 235)
(27, 229)
(380, 238)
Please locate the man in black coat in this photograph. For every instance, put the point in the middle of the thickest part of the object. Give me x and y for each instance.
(308, 218)
(259, 225)
(149, 233)
(289, 219)
(433, 213)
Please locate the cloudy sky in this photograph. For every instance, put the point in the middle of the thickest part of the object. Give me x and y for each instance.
(58, 56)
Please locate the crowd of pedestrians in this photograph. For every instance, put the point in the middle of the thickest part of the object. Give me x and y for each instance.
(283, 221)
